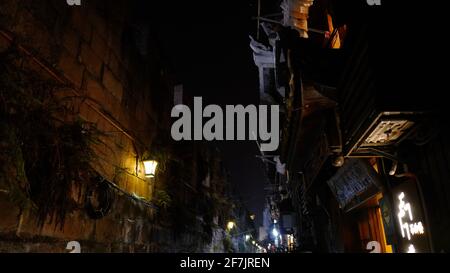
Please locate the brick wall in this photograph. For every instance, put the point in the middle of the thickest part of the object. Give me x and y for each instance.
(93, 47)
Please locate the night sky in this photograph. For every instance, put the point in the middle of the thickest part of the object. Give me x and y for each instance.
(207, 44)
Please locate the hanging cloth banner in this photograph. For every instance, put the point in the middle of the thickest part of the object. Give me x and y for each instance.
(354, 183)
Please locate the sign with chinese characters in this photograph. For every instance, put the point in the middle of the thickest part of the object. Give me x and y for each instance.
(354, 183)
(408, 211)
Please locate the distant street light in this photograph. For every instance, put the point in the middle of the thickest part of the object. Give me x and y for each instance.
(275, 233)
(231, 225)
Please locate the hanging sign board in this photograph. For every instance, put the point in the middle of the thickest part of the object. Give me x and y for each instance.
(354, 183)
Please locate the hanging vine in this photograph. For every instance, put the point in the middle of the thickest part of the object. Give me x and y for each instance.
(47, 149)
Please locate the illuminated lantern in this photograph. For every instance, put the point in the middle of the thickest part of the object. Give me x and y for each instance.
(150, 168)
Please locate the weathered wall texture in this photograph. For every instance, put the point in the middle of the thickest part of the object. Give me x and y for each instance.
(123, 88)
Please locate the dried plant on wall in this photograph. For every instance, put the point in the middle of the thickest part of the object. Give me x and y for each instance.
(46, 149)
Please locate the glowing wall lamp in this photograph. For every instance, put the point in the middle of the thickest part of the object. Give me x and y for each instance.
(150, 167)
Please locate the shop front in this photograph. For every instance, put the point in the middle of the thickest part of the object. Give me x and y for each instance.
(377, 217)
(357, 188)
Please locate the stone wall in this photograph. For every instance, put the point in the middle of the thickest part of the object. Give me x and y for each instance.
(120, 85)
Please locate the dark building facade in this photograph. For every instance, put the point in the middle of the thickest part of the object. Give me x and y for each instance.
(363, 157)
